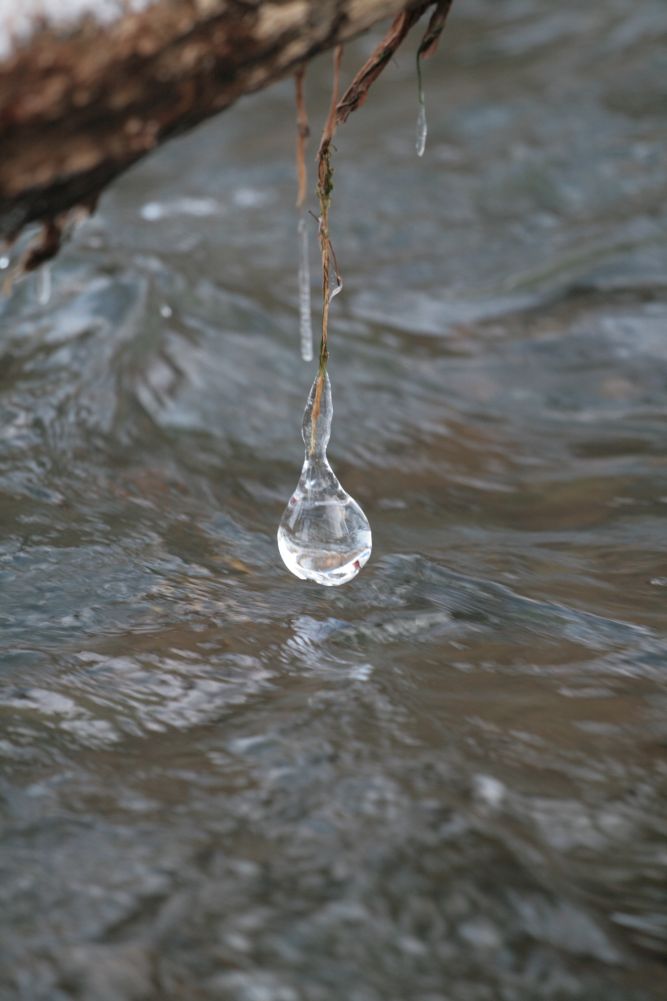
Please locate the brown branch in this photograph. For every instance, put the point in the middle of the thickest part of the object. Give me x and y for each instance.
(77, 108)
(357, 92)
(324, 189)
(429, 42)
(339, 111)
(303, 133)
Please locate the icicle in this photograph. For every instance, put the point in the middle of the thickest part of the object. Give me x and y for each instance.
(338, 287)
(422, 130)
(305, 316)
(427, 47)
(422, 126)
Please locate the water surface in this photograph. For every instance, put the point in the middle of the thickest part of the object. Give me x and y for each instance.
(446, 781)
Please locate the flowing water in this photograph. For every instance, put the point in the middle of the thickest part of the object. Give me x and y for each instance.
(446, 780)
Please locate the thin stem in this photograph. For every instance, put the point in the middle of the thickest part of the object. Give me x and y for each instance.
(339, 111)
(429, 42)
(324, 191)
(303, 132)
(357, 92)
(420, 82)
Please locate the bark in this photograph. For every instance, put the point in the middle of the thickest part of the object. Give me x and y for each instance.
(78, 108)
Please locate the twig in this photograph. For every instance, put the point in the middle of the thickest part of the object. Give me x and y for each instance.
(324, 189)
(357, 92)
(429, 42)
(339, 112)
(303, 133)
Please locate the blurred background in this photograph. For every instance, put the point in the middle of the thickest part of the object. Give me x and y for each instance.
(447, 780)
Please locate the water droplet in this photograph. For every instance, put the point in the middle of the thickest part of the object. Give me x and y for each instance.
(323, 536)
(422, 130)
(305, 321)
(166, 311)
(4, 262)
(335, 289)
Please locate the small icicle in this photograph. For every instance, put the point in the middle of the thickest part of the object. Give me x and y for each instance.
(427, 47)
(44, 284)
(335, 279)
(422, 130)
(305, 315)
(335, 289)
(422, 125)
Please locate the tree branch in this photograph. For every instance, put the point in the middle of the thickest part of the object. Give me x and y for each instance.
(78, 108)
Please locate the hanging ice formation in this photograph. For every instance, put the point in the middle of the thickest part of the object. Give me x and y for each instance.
(422, 126)
(305, 314)
(324, 535)
(422, 129)
(427, 47)
(305, 321)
